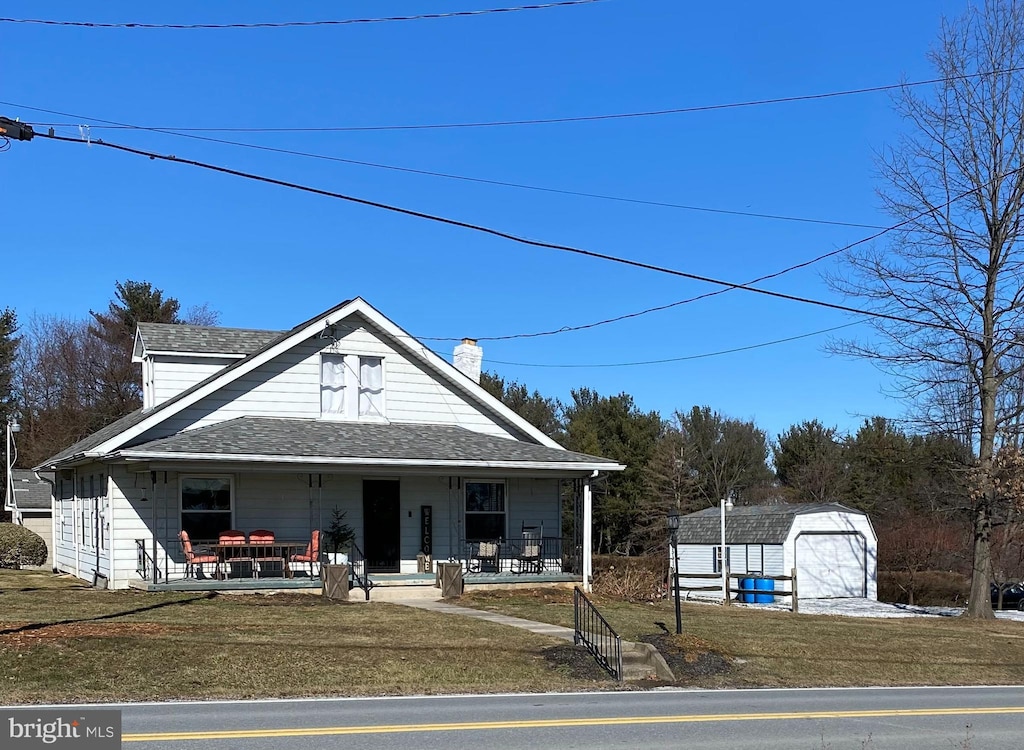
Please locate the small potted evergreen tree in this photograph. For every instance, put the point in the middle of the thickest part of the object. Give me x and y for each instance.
(339, 537)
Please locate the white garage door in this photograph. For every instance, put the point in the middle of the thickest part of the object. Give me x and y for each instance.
(830, 565)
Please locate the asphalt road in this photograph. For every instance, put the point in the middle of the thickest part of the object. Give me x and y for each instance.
(864, 719)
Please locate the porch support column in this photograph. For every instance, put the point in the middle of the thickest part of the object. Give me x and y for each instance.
(588, 533)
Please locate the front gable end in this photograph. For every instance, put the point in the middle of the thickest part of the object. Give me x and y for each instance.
(349, 364)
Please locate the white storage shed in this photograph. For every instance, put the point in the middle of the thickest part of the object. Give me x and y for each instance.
(833, 548)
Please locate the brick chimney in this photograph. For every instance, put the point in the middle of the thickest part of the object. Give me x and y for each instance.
(468, 359)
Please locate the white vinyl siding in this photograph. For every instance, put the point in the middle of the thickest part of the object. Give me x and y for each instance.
(290, 387)
(84, 522)
(170, 376)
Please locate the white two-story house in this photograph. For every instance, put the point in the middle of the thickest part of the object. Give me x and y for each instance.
(246, 430)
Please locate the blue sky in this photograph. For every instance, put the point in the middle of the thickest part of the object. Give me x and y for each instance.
(76, 218)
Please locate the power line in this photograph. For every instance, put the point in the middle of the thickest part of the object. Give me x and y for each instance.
(295, 24)
(706, 295)
(505, 235)
(585, 118)
(448, 175)
(705, 355)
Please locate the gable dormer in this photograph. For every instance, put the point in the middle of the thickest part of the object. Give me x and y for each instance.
(175, 357)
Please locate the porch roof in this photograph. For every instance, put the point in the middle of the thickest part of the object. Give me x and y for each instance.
(32, 492)
(307, 441)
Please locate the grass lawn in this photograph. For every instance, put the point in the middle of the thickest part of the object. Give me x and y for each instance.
(63, 642)
(780, 649)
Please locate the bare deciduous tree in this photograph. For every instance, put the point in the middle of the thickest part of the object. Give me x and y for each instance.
(955, 268)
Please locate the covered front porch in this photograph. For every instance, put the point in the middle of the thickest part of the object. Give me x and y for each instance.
(512, 529)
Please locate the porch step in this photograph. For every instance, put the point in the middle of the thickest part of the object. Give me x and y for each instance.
(390, 589)
(642, 661)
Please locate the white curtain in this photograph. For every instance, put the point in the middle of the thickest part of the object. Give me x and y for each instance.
(332, 385)
(371, 387)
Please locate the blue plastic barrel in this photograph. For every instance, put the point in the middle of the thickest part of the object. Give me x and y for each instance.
(764, 584)
(747, 586)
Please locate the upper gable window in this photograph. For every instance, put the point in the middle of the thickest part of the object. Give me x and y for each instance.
(332, 384)
(351, 386)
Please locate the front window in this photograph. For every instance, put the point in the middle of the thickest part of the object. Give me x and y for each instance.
(205, 506)
(485, 511)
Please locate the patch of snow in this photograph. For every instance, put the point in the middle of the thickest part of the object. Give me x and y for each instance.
(858, 607)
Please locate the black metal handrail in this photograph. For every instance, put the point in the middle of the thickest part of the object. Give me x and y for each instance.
(357, 569)
(594, 632)
(144, 561)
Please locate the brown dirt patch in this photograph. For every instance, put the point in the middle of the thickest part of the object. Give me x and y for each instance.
(575, 662)
(26, 635)
(691, 659)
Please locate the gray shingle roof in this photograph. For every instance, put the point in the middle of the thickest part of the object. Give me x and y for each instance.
(32, 492)
(101, 435)
(749, 524)
(283, 438)
(185, 339)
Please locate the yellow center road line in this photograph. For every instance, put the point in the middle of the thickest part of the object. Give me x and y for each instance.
(555, 723)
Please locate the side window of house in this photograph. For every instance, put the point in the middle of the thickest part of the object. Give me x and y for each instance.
(102, 522)
(92, 511)
(81, 511)
(485, 511)
(351, 386)
(205, 506)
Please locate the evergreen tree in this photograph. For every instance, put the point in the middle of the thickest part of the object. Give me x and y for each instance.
(809, 462)
(117, 381)
(543, 413)
(613, 427)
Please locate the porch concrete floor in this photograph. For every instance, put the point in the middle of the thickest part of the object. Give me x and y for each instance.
(390, 580)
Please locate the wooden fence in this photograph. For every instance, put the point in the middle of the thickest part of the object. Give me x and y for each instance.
(792, 592)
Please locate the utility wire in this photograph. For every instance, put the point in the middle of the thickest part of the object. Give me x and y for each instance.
(677, 359)
(294, 24)
(706, 295)
(591, 118)
(507, 235)
(445, 175)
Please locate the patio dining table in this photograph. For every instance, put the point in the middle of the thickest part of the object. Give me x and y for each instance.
(257, 552)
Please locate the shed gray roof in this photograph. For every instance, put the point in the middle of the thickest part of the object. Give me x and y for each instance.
(321, 440)
(187, 339)
(32, 492)
(749, 524)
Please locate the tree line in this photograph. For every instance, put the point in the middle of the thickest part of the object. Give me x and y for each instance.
(918, 489)
(64, 378)
(67, 378)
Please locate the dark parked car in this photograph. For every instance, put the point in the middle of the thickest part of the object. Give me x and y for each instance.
(1013, 596)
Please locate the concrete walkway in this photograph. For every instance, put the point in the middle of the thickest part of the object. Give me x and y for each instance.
(640, 661)
(542, 628)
